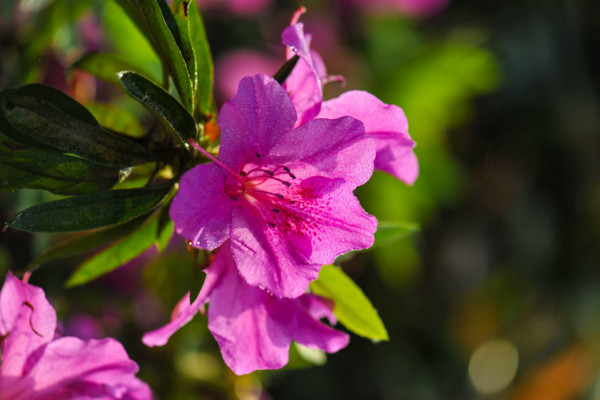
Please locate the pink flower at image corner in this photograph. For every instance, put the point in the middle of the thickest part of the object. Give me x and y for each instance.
(37, 366)
(253, 328)
(386, 123)
(282, 195)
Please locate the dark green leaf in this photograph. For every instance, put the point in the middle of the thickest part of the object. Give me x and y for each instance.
(103, 66)
(183, 38)
(389, 232)
(204, 64)
(172, 115)
(41, 116)
(352, 307)
(285, 70)
(117, 254)
(37, 168)
(82, 243)
(159, 28)
(89, 211)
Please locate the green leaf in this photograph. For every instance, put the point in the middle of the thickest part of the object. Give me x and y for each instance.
(184, 39)
(122, 251)
(172, 115)
(390, 231)
(116, 119)
(155, 19)
(41, 116)
(204, 63)
(201, 260)
(352, 307)
(90, 211)
(36, 168)
(78, 244)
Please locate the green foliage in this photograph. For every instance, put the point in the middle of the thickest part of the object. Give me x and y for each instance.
(90, 211)
(103, 66)
(172, 115)
(352, 307)
(152, 232)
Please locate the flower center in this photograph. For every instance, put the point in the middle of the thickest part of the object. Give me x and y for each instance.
(259, 182)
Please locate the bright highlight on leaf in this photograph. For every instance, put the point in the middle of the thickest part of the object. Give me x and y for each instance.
(352, 308)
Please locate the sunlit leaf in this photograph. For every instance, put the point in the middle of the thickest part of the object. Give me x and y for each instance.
(116, 119)
(103, 66)
(155, 19)
(89, 211)
(172, 115)
(389, 232)
(117, 254)
(204, 63)
(352, 308)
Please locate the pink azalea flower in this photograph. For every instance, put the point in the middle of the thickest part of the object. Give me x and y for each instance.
(36, 366)
(282, 195)
(386, 123)
(253, 328)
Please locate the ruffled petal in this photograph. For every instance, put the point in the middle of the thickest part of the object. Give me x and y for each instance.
(384, 122)
(303, 84)
(201, 211)
(252, 121)
(333, 148)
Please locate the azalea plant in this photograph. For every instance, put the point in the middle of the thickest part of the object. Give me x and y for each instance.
(260, 188)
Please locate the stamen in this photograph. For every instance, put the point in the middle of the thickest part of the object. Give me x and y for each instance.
(275, 210)
(279, 196)
(287, 170)
(272, 225)
(292, 202)
(192, 143)
(258, 155)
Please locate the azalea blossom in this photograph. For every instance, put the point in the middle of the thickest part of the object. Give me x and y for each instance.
(386, 123)
(38, 366)
(282, 195)
(253, 328)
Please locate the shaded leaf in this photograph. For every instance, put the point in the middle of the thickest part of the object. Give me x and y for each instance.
(89, 211)
(41, 116)
(352, 307)
(82, 243)
(37, 168)
(172, 115)
(122, 251)
(159, 28)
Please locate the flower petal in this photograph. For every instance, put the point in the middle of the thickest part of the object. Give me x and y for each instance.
(70, 366)
(333, 148)
(304, 83)
(265, 256)
(253, 119)
(201, 211)
(387, 124)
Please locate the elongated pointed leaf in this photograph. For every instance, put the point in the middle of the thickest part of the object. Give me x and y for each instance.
(204, 64)
(122, 251)
(41, 116)
(103, 66)
(159, 28)
(184, 39)
(83, 243)
(389, 231)
(89, 211)
(172, 115)
(36, 168)
(352, 307)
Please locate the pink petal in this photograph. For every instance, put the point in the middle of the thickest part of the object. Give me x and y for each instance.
(387, 124)
(252, 121)
(70, 366)
(318, 307)
(201, 211)
(17, 296)
(254, 329)
(331, 148)
(303, 84)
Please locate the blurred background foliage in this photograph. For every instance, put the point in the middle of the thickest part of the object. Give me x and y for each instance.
(498, 296)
